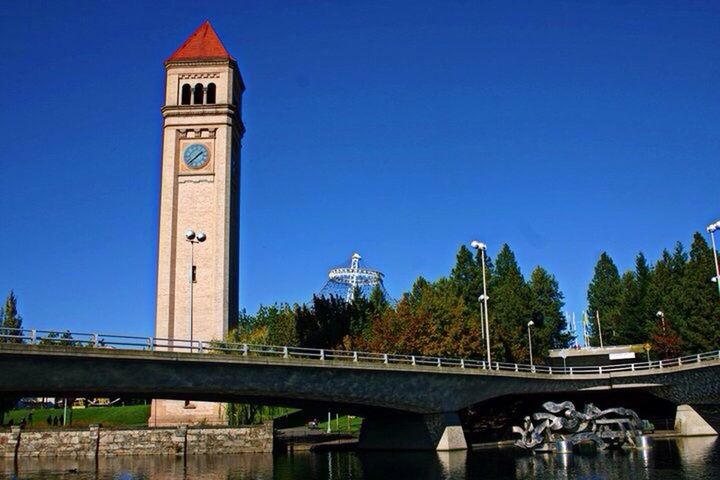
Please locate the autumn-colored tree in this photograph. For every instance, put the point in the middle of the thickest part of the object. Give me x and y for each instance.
(666, 343)
(429, 321)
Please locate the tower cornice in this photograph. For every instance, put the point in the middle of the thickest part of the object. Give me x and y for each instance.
(219, 110)
(200, 62)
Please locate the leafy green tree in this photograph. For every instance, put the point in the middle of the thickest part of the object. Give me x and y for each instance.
(64, 339)
(244, 413)
(271, 325)
(604, 297)
(325, 323)
(279, 321)
(11, 321)
(245, 325)
(510, 309)
(547, 301)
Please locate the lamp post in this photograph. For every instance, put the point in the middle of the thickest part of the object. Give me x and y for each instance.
(481, 247)
(599, 325)
(711, 230)
(660, 314)
(481, 298)
(192, 238)
(530, 324)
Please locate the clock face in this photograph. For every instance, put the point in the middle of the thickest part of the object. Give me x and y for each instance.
(195, 155)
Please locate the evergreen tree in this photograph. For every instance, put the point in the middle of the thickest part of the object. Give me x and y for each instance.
(378, 302)
(661, 294)
(466, 278)
(547, 304)
(699, 326)
(510, 309)
(631, 323)
(604, 297)
(417, 290)
(11, 321)
(643, 276)
(361, 314)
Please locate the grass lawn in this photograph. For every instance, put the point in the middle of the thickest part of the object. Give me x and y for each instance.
(133, 415)
(345, 424)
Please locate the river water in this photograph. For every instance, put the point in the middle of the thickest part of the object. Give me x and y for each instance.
(682, 459)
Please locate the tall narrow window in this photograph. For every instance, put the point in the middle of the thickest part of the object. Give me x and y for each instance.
(186, 94)
(210, 93)
(198, 94)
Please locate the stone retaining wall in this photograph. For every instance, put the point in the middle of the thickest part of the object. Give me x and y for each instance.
(95, 441)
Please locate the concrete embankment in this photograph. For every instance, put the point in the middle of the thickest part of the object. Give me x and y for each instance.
(98, 442)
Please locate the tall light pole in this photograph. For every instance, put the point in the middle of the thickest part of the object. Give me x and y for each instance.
(482, 247)
(711, 230)
(530, 324)
(192, 238)
(661, 315)
(481, 299)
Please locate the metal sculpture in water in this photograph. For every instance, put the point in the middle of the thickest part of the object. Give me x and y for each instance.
(561, 422)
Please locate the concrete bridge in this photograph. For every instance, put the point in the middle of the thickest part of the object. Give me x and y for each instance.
(408, 402)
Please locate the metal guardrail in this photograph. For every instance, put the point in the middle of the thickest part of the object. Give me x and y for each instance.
(130, 342)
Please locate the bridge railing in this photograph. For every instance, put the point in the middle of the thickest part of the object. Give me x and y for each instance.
(133, 342)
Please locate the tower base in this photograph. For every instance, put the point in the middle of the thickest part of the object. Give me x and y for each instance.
(170, 413)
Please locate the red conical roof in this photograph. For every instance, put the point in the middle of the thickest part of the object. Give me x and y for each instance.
(202, 44)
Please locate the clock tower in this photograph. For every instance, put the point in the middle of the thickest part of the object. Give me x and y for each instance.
(197, 282)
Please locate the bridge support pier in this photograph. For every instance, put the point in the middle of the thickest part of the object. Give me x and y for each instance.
(697, 419)
(438, 431)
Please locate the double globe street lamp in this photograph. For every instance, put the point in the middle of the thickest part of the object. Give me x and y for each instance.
(661, 315)
(711, 230)
(530, 324)
(481, 247)
(481, 299)
(192, 237)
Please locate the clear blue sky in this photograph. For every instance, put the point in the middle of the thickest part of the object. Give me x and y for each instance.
(396, 129)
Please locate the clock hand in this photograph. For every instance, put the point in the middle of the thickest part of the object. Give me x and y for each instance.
(196, 156)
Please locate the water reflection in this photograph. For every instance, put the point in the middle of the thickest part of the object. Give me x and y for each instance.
(453, 463)
(686, 459)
